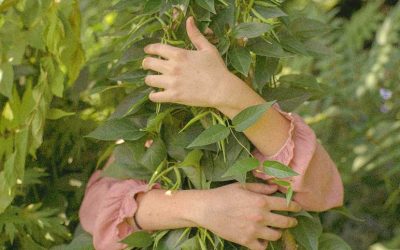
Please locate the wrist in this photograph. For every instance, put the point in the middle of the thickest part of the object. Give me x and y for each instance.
(193, 206)
(163, 209)
(236, 96)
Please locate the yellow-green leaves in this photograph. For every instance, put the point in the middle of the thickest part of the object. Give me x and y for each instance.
(277, 169)
(140, 239)
(249, 116)
(211, 135)
(240, 168)
(55, 114)
(6, 79)
(241, 59)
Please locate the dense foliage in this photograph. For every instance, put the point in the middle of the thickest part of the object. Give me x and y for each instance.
(42, 180)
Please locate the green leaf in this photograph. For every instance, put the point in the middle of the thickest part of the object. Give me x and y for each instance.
(277, 169)
(249, 116)
(241, 167)
(191, 167)
(281, 182)
(268, 48)
(251, 30)
(303, 81)
(241, 59)
(131, 77)
(289, 195)
(269, 12)
(133, 170)
(6, 79)
(207, 4)
(55, 114)
(211, 135)
(292, 44)
(138, 239)
(265, 68)
(307, 232)
(329, 241)
(155, 154)
(131, 103)
(112, 130)
(347, 213)
(288, 98)
(152, 6)
(307, 28)
(155, 121)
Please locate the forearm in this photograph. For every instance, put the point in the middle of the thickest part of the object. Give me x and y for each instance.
(161, 209)
(270, 132)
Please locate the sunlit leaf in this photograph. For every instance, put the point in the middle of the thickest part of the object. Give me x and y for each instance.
(211, 135)
(277, 169)
(138, 239)
(249, 116)
(241, 167)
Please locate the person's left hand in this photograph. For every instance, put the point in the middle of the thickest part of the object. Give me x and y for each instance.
(193, 77)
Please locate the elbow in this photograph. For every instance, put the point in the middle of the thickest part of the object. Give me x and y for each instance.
(315, 201)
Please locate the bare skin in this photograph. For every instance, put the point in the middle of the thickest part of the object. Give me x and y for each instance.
(242, 214)
(238, 213)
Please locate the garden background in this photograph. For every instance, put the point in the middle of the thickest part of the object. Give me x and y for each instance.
(55, 88)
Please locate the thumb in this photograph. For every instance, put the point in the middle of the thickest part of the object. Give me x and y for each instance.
(195, 36)
(261, 188)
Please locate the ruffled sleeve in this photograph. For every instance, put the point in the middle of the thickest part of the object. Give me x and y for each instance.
(318, 187)
(107, 209)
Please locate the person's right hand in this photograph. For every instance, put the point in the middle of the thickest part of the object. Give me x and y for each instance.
(242, 213)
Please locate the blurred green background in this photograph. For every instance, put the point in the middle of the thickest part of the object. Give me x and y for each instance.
(358, 122)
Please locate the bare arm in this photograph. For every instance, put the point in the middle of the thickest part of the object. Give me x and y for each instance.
(236, 212)
(200, 78)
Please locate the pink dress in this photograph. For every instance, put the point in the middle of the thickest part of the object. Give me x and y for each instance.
(108, 202)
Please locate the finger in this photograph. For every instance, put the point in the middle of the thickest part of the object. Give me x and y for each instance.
(258, 245)
(155, 64)
(279, 204)
(269, 234)
(208, 31)
(195, 36)
(279, 221)
(160, 96)
(261, 188)
(163, 50)
(157, 81)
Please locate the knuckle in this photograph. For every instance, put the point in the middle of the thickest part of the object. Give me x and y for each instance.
(252, 230)
(246, 241)
(261, 201)
(175, 95)
(180, 55)
(258, 217)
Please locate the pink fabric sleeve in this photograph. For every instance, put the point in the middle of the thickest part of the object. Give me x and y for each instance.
(106, 208)
(318, 187)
